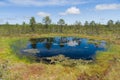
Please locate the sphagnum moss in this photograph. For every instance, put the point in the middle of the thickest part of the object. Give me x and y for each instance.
(20, 69)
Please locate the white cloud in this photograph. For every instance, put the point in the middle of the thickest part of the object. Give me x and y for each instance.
(46, 2)
(71, 10)
(43, 14)
(107, 6)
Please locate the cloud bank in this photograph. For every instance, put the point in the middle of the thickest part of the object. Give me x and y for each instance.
(71, 10)
(46, 2)
(107, 6)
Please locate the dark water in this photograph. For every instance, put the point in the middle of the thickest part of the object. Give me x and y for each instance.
(72, 47)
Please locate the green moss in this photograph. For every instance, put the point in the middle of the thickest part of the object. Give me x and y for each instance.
(21, 68)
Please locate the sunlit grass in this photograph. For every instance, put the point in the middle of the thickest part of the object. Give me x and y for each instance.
(105, 67)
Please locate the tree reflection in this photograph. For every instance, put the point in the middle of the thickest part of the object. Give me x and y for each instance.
(49, 42)
(63, 40)
(33, 42)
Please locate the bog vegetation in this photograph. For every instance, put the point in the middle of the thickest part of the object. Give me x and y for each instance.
(106, 65)
(88, 28)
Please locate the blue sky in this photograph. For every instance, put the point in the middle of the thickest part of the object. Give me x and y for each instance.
(17, 11)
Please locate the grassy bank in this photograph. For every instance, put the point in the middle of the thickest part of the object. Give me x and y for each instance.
(105, 67)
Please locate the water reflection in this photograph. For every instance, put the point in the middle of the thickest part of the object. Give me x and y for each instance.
(72, 43)
(71, 47)
(33, 43)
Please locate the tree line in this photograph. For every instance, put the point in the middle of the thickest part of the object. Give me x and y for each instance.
(88, 28)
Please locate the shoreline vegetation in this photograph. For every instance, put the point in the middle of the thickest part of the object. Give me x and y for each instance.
(105, 67)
